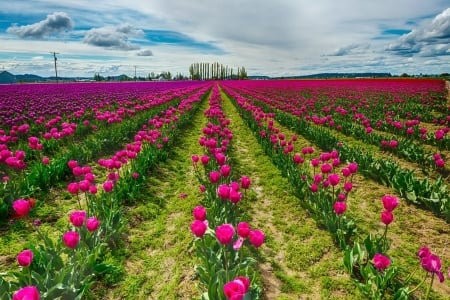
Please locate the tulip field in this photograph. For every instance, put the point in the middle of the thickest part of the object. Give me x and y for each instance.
(233, 189)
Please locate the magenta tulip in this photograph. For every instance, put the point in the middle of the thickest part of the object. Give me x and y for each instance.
(389, 202)
(71, 239)
(22, 207)
(381, 262)
(214, 176)
(25, 258)
(77, 218)
(92, 224)
(27, 293)
(108, 186)
(198, 228)
(387, 217)
(256, 238)
(243, 229)
(225, 233)
(340, 207)
(333, 179)
(199, 213)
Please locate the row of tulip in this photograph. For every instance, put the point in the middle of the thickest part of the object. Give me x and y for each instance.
(325, 194)
(67, 269)
(43, 174)
(382, 107)
(423, 192)
(226, 269)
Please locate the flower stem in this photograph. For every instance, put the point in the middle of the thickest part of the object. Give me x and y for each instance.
(429, 287)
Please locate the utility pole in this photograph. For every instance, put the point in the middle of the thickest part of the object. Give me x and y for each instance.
(56, 70)
(135, 78)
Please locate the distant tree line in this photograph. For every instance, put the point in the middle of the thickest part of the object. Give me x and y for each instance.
(215, 71)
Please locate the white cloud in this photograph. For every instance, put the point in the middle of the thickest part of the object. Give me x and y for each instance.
(54, 23)
(146, 52)
(110, 37)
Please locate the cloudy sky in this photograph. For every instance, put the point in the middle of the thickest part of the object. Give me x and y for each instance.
(270, 37)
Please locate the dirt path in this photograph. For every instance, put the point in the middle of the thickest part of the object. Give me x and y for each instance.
(298, 260)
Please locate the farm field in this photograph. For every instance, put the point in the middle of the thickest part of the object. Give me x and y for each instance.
(265, 189)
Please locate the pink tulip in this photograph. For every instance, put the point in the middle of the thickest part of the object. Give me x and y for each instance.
(326, 168)
(22, 207)
(25, 258)
(225, 233)
(314, 187)
(298, 159)
(243, 229)
(381, 262)
(27, 293)
(334, 179)
(73, 188)
(45, 160)
(214, 176)
(92, 224)
(387, 217)
(198, 228)
(108, 186)
(71, 239)
(199, 213)
(238, 244)
(202, 188)
(72, 164)
(389, 202)
(204, 159)
(245, 182)
(424, 251)
(256, 238)
(353, 167)
(431, 263)
(348, 186)
(225, 170)
(223, 191)
(234, 290)
(77, 218)
(235, 196)
(340, 207)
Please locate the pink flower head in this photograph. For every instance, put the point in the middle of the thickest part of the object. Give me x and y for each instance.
(135, 175)
(326, 168)
(348, 186)
(387, 217)
(245, 182)
(431, 263)
(25, 258)
(27, 293)
(298, 159)
(334, 179)
(424, 251)
(318, 178)
(342, 197)
(346, 172)
(389, 202)
(45, 160)
(353, 167)
(223, 191)
(214, 176)
(225, 233)
(234, 290)
(195, 158)
(393, 143)
(21, 207)
(72, 164)
(92, 224)
(199, 213)
(77, 218)
(198, 228)
(243, 229)
(202, 188)
(238, 244)
(225, 170)
(71, 239)
(84, 185)
(381, 262)
(315, 162)
(314, 187)
(440, 163)
(204, 159)
(73, 188)
(108, 186)
(256, 237)
(77, 171)
(235, 196)
(340, 207)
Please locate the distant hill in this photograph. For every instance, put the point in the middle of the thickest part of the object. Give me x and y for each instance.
(6, 77)
(29, 78)
(337, 75)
